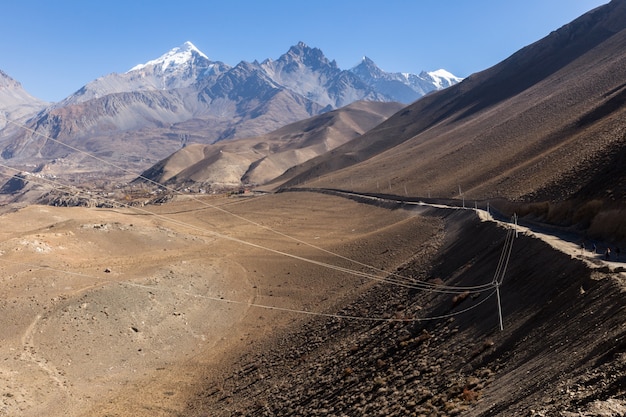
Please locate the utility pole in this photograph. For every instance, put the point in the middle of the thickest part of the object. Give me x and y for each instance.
(499, 306)
(461, 195)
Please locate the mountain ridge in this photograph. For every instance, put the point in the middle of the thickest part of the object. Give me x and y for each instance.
(184, 93)
(16, 104)
(248, 161)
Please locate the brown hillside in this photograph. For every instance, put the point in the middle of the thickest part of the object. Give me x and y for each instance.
(545, 124)
(255, 160)
(560, 352)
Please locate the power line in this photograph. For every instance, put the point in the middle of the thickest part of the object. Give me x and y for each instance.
(404, 281)
(418, 285)
(249, 304)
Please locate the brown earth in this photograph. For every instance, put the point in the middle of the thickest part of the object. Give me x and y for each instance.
(123, 312)
(193, 311)
(256, 160)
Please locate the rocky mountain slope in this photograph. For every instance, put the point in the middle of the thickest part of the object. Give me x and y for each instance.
(560, 352)
(256, 160)
(545, 125)
(15, 102)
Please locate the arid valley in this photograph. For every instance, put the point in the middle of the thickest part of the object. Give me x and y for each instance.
(128, 310)
(287, 238)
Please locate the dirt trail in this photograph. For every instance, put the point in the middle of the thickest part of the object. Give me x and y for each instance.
(576, 247)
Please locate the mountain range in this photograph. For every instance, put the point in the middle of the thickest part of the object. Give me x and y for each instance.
(543, 129)
(136, 118)
(352, 281)
(544, 125)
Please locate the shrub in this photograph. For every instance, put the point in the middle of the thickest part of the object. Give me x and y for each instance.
(609, 224)
(585, 214)
(469, 395)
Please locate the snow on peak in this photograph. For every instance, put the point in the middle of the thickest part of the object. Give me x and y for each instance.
(442, 73)
(175, 57)
(443, 78)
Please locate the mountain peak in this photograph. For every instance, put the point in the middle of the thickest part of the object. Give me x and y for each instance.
(311, 57)
(15, 102)
(368, 69)
(174, 57)
(300, 48)
(6, 81)
(442, 73)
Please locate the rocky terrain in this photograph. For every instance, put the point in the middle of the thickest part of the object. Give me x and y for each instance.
(125, 311)
(406, 352)
(229, 307)
(334, 289)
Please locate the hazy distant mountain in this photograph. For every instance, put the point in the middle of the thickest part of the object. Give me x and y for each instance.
(257, 160)
(403, 87)
(15, 103)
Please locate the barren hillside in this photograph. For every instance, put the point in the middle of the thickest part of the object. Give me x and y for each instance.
(402, 351)
(126, 312)
(300, 304)
(256, 160)
(545, 125)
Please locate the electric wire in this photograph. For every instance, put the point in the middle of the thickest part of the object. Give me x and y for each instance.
(346, 270)
(505, 255)
(418, 285)
(415, 285)
(398, 280)
(251, 304)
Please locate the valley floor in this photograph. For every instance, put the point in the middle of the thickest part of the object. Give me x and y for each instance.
(268, 306)
(124, 312)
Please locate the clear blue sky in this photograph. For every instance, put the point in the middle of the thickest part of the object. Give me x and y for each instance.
(55, 47)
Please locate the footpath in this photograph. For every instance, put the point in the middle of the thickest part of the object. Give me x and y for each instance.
(594, 254)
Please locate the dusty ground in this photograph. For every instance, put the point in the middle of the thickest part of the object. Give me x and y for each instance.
(560, 353)
(266, 310)
(122, 312)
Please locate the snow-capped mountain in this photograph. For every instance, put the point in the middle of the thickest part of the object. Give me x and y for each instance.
(302, 69)
(308, 72)
(403, 87)
(180, 67)
(441, 78)
(183, 92)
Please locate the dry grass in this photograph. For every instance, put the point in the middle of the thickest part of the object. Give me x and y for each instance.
(595, 218)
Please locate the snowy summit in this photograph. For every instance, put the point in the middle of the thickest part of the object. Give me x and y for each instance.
(442, 78)
(175, 57)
